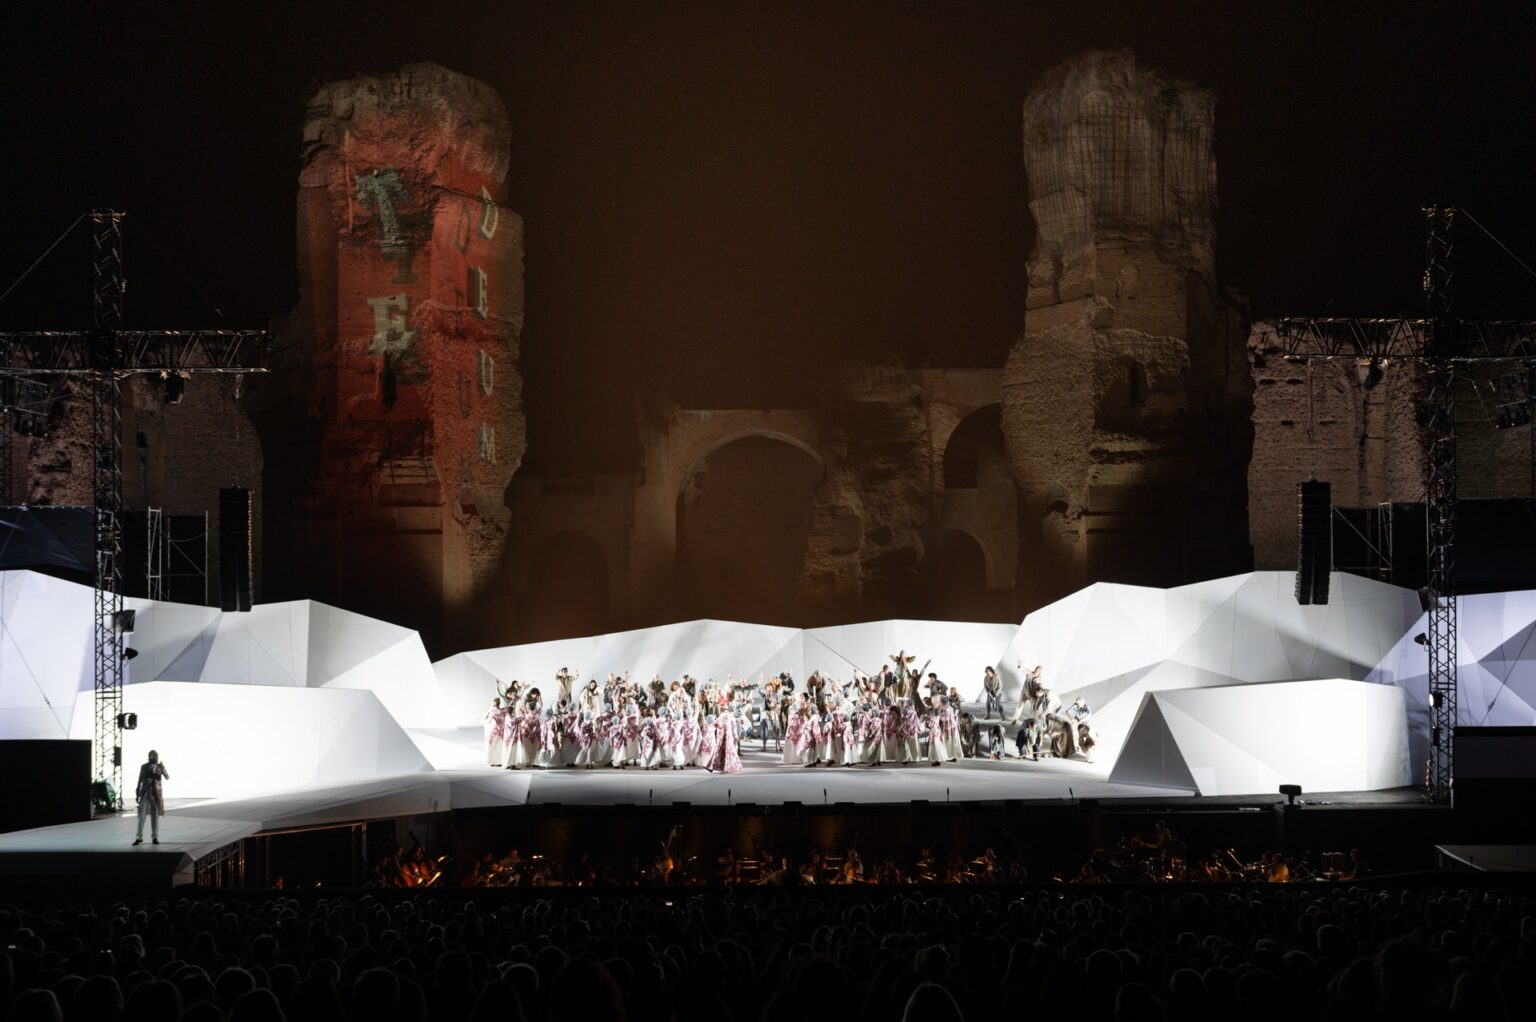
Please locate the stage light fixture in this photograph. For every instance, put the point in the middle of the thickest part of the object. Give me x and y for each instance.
(128, 721)
(1435, 698)
(1421, 639)
(123, 621)
(1428, 599)
(129, 652)
(175, 387)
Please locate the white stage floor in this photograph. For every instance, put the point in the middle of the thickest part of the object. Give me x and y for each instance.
(196, 828)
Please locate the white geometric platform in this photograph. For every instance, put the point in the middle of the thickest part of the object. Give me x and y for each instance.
(301, 694)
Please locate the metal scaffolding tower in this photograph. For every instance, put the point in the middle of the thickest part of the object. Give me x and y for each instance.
(99, 360)
(1439, 344)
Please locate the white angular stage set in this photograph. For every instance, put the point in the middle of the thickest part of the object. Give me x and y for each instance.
(298, 713)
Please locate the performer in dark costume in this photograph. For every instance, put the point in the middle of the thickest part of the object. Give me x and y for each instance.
(151, 799)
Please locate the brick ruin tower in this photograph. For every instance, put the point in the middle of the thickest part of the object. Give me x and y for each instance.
(1126, 401)
(395, 420)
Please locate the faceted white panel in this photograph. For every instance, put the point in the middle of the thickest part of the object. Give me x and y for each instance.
(1326, 735)
(466, 686)
(958, 651)
(226, 741)
(45, 654)
(1112, 644)
(703, 649)
(173, 640)
(403, 679)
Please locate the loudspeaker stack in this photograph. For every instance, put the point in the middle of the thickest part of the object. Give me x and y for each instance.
(1314, 541)
(236, 571)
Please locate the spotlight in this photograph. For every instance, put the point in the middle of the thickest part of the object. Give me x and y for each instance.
(123, 621)
(1421, 639)
(1428, 599)
(1435, 699)
(129, 653)
(128, 721)
(175, 387)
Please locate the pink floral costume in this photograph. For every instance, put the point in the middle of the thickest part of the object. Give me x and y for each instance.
(794, 751)
(584, 736)
(871, 735)
(512, 739)
(494, 729)
(909, 729)
(726, 758)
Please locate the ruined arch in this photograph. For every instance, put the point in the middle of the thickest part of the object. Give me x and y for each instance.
(716, 443)
(978, 496)
(744, 511)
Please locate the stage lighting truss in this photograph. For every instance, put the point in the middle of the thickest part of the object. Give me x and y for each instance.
(1512, 398)
(29, 402)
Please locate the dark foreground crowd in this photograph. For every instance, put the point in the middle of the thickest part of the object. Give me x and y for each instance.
(1127, 954)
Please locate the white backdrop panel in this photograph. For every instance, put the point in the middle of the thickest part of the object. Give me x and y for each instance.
(173, 640)
(960, 650)
(467, 687)
(227, 741)
(403, 679)
(45, 654)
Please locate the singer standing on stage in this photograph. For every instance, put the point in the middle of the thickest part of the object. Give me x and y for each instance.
(151, 799)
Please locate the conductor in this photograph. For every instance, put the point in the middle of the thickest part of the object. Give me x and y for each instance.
(151, 799)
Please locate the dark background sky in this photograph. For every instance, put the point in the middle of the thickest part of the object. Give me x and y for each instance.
(745, 191)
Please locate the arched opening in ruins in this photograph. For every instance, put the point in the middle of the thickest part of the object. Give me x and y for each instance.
(743, 524)
(956, 577)
(571, 596)
(977, 524)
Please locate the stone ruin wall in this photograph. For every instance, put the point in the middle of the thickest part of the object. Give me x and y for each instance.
(393, 424)
(1126, 399)
(1318, 421)
(866, 544)
(400, 444)
(1321, 421)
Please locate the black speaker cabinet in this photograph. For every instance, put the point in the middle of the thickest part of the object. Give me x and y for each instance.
(1314, 541)
(50, 783)
(236, 571)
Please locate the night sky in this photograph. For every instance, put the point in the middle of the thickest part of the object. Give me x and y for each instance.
(744, 192)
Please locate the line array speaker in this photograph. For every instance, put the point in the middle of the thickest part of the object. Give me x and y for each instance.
(235, 562)
(1314, 541)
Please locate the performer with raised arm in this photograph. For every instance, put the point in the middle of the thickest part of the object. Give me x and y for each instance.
(902, 682)
(1032, 681)
(563, 681)
(590, 702)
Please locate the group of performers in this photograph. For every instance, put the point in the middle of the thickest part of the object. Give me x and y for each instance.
(894, 717)
(618, 724)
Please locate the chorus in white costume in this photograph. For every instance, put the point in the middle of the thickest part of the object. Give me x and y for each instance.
(494, 722)
(899, 716)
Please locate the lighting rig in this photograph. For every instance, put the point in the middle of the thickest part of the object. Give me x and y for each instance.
(1438, 344)
(97, 361)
